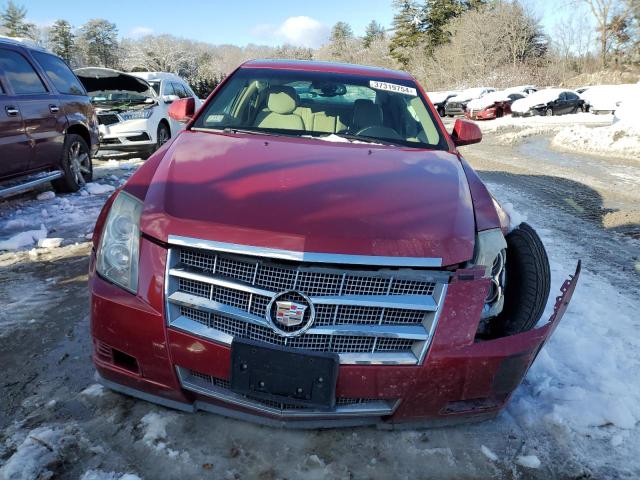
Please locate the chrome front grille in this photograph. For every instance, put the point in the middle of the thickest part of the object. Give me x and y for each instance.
(366, 315)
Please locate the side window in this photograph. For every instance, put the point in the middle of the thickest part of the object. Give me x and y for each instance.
(563, 96)
(20, 74)
(59, 73)
(180, 91)
(168, 89)
(571, 96)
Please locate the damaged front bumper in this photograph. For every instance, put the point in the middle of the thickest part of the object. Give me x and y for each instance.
(461, 378)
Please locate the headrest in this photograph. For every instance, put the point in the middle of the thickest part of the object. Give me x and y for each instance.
(282, 99)
(366, 114)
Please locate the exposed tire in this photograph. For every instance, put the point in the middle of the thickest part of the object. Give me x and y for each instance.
(76, 165)
(549, 112)
(528, 280)
(163, 134)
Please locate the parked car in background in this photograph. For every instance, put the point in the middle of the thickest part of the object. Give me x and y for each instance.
(439, 100)
(551, 101)
(492, 105)
(314, 251)
(48, 128)
(602, 99)
(132, 114)
(457, 105)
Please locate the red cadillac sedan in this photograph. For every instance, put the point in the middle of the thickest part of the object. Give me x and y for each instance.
(313, 251)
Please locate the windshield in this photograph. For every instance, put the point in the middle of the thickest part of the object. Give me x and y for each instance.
(320, 104)
(155, 84)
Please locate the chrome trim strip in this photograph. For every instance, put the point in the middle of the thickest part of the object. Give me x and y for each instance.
(192, 327)
(312, 257)
(182, 273)
(385, 331)
(401, 302)
(422, 355)
(211, 306)
(371, 409)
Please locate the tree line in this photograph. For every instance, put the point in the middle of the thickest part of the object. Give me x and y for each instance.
(444, 43)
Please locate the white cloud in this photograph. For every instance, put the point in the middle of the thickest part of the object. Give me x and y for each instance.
(301, 31)
(137, 32)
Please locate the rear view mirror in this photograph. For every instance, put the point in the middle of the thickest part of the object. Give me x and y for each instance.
(465, 132)
(169, 98)
(183, 109)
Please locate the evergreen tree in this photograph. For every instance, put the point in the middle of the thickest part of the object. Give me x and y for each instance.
(341, 36)
(408, 30)
(62, 39)
(374, 32)
(13, 21)
(438, 14)
(100, 41)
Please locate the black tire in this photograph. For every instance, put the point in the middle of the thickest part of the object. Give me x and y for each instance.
(528, 280)
(441, 112)
(163, 134)
(76, 165)
(549, 112)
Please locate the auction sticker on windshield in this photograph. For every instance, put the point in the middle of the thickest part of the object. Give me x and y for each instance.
(393, 87)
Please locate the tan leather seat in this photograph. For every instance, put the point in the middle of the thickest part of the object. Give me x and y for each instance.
(365, 114)
(282, 101)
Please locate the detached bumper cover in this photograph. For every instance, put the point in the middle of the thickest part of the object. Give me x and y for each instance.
(459, 380)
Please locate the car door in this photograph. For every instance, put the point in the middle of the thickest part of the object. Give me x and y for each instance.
(573, 102)
(15, 150)
(39, 106)
(562, 104)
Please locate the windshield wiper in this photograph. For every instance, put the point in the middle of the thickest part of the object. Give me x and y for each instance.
(244, 130)
(360, 138)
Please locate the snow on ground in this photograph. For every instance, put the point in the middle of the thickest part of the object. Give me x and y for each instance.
(101, 475)
(24, 239)
(154, 426)
(586, 380)
(36, 456)
(95, 390)
(539, 123)
(621, 138)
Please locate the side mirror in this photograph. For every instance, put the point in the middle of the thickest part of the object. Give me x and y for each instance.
(465, 132)
(183, 109)
(169, 98)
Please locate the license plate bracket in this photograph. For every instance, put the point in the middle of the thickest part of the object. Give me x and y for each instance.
(280, 374)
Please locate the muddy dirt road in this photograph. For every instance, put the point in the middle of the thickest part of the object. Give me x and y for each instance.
(53, 418)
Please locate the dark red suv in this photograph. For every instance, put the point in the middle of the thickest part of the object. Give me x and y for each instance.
(48, 129)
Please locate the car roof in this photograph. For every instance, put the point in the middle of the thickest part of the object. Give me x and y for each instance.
(318, 66)
(23, 42)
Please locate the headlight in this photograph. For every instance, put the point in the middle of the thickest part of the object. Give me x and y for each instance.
(118, 252)
(136, 114)
(489, 244)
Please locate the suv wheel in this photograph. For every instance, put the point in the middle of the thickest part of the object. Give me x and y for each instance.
(76, 165)
(164, 134)
(549, 112)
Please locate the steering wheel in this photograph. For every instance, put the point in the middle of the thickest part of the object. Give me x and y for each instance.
(379, 132)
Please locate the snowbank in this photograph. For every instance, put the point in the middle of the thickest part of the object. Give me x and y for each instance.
(24, 239)
(469, 94)
(544, 124)
(622, 139)
(607, 97)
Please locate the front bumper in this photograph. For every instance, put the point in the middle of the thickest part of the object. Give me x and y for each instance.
(132, 135)
(460, 379)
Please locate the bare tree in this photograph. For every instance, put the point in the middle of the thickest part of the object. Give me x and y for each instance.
(604, 12)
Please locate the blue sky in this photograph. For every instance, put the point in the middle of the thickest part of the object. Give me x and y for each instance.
(237, 21)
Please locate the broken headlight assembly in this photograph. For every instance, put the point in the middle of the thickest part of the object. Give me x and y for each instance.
(491, 254)
(118, 253)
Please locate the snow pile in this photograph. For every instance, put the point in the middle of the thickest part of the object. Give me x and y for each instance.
(102, 475)
(541, 97)
(488, 453)
(622, 138)
(36, 457)
(528, 461)
(154, 426)
(49, 242)
(543, 124)
(49, 195)
(24, 239)
(98, 188)
(95, 390)
(439, 97)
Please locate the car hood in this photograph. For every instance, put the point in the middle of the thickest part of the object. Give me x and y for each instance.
(98, 79)
(309, 195)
